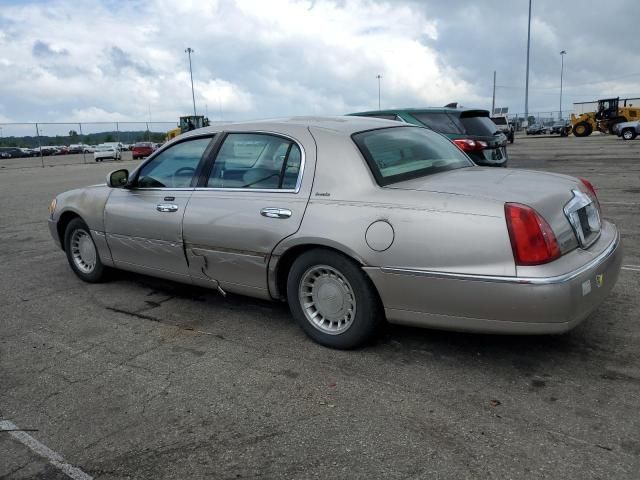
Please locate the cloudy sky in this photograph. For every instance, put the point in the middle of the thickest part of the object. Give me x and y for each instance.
(92, 60)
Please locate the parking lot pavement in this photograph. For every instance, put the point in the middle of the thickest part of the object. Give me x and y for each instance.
(143, 378)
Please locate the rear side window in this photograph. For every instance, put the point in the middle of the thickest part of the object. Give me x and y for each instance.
(402, 153)
(439, 122)
(256, 160)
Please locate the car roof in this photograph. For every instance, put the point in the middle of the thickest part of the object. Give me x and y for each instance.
(341, 124)
(421, 110)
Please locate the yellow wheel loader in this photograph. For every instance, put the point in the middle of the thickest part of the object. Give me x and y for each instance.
(186, 124)
(609, 112)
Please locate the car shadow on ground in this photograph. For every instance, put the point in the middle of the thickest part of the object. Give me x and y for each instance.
(524, 352)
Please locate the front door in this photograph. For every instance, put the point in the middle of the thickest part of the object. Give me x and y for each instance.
(253, 198)
(143, 223)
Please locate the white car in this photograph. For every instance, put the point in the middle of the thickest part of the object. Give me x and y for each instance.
(106, 151)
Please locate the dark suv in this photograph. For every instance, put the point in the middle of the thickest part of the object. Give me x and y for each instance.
(471, 130)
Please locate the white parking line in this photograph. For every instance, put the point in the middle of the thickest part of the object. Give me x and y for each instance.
(633, 268)
(54, 458)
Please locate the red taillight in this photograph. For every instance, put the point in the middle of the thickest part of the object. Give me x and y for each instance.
(592, 190)
(469, 145)
(532, 239)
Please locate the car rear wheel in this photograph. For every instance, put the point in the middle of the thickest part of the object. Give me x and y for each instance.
(82, 253)
(332, 299)
(629, 134)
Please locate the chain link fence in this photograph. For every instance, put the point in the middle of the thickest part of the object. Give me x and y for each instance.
(520, 121)
(60, 143)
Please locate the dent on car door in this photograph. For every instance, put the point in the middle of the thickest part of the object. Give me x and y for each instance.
(143, 223)
(251, 199)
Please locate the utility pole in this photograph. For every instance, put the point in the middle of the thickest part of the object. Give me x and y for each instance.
(526, 87)
(562, 54)
(189, 51)
(493, 98)
(378, 77)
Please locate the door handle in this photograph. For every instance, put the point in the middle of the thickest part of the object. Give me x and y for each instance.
(167, 207)
(274, 212)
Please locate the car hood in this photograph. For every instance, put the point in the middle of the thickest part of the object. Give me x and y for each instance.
(547, 193)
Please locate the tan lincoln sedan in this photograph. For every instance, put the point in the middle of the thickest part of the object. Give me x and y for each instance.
(351, 221)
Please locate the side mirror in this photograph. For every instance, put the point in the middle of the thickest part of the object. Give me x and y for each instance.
(118, 178)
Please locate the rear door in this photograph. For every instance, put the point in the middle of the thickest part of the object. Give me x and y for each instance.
(143, 223)
(252, 197)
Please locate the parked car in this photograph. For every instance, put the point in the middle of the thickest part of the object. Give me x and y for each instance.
(627, 130)
(471, 130)
(74, 149)
(29, 152)
(537, 129)
(562, 128)
(351, 220)
(142, 150)
(505, 127)
(12, 152)
(106, 151)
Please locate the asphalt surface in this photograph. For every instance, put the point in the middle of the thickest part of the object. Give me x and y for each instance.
(144, 378)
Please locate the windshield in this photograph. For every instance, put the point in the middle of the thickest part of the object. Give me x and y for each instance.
(402, 153)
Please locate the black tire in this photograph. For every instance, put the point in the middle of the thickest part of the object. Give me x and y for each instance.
(582, 129)
(629, 134)
(99, 271)
(368, 311)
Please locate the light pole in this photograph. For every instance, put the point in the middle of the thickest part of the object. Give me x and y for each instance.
(562, 54)
(189, 51)
(526, 85)
(379, 77)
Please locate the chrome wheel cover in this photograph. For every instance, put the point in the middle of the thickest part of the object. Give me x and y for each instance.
(327, 299)
(627, 135)
(83, 251)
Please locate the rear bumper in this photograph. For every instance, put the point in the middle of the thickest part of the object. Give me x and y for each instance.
(513, 305)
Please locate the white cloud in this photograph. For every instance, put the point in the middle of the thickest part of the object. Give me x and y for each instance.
(252, 58)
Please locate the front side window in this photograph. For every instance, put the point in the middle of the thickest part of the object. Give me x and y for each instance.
(174, 167)
(256, 160)
(402, 153)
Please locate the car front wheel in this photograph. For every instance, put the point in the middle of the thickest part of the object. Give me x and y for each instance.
(82, 253)
(629, 134)
(332, 299)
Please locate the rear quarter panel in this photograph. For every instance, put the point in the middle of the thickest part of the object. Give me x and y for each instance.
(431, 230)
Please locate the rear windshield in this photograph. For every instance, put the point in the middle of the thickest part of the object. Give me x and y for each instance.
(142, 144)
(478, 125)
(440, 122)
(402, 153)
(499, 120)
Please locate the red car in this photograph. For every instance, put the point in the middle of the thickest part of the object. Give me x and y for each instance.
(142, 149)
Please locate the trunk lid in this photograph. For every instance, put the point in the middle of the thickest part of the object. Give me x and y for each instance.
(547, 193)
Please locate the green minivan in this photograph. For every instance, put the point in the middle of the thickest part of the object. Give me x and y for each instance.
(471, 130)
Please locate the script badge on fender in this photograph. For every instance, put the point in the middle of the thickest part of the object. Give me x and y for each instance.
(600, 280)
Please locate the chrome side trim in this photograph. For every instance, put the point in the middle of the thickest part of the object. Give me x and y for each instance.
(505, 279)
